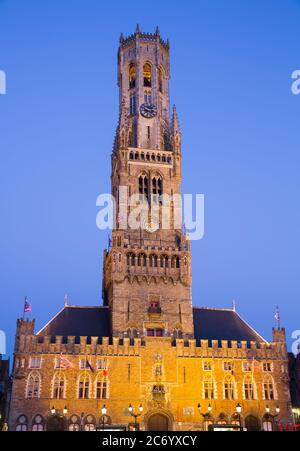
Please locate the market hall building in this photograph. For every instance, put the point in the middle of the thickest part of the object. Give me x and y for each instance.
(147, 358)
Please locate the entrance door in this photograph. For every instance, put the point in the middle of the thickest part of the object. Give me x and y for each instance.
(252, 423)
(158, 422)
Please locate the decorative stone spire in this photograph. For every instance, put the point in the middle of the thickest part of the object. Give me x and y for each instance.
(66, 300)
(121, 38)
(137, 29)
(157, 32)
(175, 121)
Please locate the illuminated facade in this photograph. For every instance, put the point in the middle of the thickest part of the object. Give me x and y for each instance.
(147, 345)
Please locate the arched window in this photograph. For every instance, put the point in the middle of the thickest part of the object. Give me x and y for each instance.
(164, 261)
(58, 386)
(229, 387)
(132, 333)
(177, 333)
(157, 186)
(132, 76)
(130, 259)
(22, 423)
(84, 386)
(147, 75)
(38, 423)
(33, 385)
(153, 261)
(142, 260)
(144, 187)
(249, 388)
(209, 387)
(102, 386)
(268, 388)
(89, 423)
(74, 423)
(160, 80)
(175, 262)
(267, 423)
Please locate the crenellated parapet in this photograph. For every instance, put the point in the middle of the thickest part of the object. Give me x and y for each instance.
(230, 349)
(145, 37)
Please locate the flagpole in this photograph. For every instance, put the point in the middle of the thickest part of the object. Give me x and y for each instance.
(24, 308)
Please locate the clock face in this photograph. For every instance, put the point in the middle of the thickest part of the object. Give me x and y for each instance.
(148, 110)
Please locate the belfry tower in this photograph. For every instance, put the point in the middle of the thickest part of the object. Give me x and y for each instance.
(147, 271)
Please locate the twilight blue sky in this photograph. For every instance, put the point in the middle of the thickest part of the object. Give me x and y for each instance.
(231, 81)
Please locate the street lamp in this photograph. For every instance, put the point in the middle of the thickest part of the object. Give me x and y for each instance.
(104, 412)
(65, 410)
(209, 408)
(239, 411)
(135, 415)
(53, 410)
(273, 417)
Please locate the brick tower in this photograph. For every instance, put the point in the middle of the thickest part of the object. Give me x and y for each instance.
(147, 271)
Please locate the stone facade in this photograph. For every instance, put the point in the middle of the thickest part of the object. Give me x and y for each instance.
(152, 357)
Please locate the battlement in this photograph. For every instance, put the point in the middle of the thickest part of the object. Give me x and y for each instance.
(145, 37)
(132, 347)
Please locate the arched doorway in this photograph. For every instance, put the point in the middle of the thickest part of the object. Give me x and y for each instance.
(56, 423)
(158, 422)
(252, 423)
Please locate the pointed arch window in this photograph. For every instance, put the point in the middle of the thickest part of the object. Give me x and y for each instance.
(22, 423)
(102, 388)
(144, 187)
(38, 423)
(130, 259)
(33, 385)
(268, 388)
(147, 75)
(160, 80)
(84, 386)
(229, 388)
(249, 388)
(209, 387)
(153, 261)
(132, 76)
(157, 187)
(59, 385)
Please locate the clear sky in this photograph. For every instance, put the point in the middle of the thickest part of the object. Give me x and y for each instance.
(232, 62)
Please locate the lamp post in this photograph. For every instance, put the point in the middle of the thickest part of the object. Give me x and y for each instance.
(135, 415)
(104, 412)
(238, 411)
(273, 417)
(53, 410)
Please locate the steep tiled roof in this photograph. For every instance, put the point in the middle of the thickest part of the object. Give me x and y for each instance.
(222, 324)
(79, 321)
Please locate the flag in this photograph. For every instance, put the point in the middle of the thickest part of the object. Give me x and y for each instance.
(27, 306)
(277, 315)
(64, 363)
(89, 366)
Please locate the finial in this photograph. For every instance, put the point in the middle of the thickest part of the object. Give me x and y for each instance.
(137, 29)
(66, 300)
(157, 31)
(121, 37)
(175, 120)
